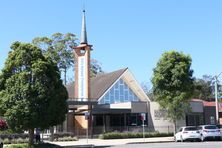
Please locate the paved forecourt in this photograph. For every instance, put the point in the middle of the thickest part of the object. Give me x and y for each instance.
(210, 144)
(112, 142)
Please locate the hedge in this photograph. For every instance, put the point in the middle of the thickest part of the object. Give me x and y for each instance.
(65, 137)
(42, 145)
(117, 135)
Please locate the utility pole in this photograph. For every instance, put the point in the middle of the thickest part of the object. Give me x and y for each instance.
(216, 98)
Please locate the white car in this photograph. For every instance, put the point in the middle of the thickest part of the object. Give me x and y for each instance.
(187, 133)
(220, 127)
(209, 132)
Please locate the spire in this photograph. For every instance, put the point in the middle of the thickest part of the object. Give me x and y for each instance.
(83, 32)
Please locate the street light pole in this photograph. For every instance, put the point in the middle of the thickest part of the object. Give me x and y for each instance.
(216, 99)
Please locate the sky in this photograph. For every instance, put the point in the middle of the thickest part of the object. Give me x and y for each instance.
(124, 33)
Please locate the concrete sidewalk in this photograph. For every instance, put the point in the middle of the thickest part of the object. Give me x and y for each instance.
(111, 142)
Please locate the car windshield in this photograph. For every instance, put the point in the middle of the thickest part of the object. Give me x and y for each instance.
(190, 129)
(210, 127)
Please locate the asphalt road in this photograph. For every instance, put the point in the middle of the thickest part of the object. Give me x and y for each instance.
(210, 144)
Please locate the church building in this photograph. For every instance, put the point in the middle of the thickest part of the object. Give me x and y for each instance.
(116, 102)
(107, 102)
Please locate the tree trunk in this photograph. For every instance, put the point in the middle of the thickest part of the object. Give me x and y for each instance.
(175, 126)
(52, 133)
(31, 137)
(65, 72)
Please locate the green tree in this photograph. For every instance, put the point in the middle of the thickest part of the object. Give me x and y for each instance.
(31, 91)
(58, 47)
(173, 84)
(204, 88)
(95, 68)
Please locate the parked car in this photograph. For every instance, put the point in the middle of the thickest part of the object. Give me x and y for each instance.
(209, 132)
(220, 127)
(187, 133)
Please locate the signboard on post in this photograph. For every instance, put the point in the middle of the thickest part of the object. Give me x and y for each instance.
(87, 115)
(143, 116)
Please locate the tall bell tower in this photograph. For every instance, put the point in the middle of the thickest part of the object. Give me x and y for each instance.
(82, 65)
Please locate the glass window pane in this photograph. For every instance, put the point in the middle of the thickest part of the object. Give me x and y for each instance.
(111, 99)
(126, 96)
(121, 81)
(112, 91)
(107, 95)
(117, 85)
(121, 89)
(101, 101)
(120, 92)
(116, 95)
(130, 95)
(121, 98)
(125, 86)
(106, 101)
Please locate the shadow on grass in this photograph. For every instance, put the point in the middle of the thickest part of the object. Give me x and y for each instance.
(49, 145)
(46, 145)
(40, 145)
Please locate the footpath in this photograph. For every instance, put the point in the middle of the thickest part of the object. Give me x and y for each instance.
(111, 142)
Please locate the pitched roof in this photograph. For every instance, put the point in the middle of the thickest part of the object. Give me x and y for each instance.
(102, 82)
(99, 84)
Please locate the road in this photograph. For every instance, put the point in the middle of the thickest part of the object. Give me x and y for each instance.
(210, 144)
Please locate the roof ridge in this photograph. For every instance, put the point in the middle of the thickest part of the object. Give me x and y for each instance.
(103, 74)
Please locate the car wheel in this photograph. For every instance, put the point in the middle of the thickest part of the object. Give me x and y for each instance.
(202, 138)
(181, 139)
(175, 139)
(218, 138)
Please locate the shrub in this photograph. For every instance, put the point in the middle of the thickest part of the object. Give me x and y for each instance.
(69, 138)
(117, 135)
(20, 140)
(17, 146)
(65, 137)
(6, 141)
(14, 136)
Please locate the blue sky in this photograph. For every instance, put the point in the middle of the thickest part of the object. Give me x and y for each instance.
(124, 33)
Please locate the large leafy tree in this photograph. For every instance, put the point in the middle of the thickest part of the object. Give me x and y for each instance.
(173, 83)
(58, 47)
(31, 91)
(95, 68)
(204, 88)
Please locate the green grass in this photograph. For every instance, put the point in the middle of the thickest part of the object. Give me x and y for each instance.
(16, 146)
